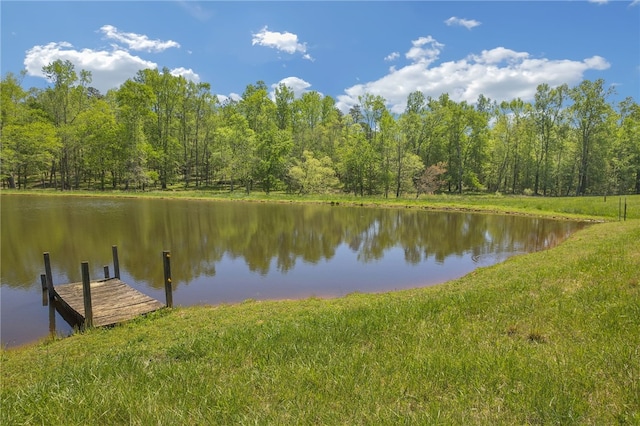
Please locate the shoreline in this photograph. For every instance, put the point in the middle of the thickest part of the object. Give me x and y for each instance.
(447, 203)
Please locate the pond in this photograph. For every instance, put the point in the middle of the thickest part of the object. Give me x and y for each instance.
(230, 251)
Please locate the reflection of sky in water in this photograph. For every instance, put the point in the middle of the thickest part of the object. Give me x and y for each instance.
(24, 315)
(24, 318)
(341, 275)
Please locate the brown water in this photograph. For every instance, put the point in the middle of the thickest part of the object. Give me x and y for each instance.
(233, 251)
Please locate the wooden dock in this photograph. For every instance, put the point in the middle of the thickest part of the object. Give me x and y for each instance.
(113, 301)
(102, 302)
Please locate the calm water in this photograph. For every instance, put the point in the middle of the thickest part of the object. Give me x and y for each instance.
(233, 251)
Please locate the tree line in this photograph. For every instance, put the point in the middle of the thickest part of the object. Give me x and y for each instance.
(161, 130)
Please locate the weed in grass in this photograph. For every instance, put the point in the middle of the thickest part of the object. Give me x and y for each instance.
(536, 337)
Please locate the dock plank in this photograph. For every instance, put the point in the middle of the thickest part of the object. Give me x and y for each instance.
(113, 301)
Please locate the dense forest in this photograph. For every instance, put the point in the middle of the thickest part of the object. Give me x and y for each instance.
(161, 131)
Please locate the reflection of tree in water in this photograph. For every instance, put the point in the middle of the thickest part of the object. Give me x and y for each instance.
(199, 234)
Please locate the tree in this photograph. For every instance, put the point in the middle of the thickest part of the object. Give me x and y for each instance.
(390, 151)
(307, 116)
(547, 114)
(13, 108)
(236, 142)
(257, 108)
(589, 113)
(166, 89)
(457, 127)
(98, 130)
(357, 159)
(27, 148)
(372, 107)
(412, 122)
(64, 101)
(196, 104)
(431, 179)
(13, 111)
(625, 158)
(158, 127)
(284, 99)
(313, 175)
(513, 121)
(134, 100)
(331, 129)
(273, 151)
(205, 104)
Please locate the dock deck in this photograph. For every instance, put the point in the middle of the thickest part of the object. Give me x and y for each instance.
(113, 301)
(105, 302)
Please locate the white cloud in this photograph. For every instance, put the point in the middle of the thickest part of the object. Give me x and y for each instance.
(137, 41)
(222, 98)
(231, 97)
(109, 69)
(597, 63)
(467, 23)
(598, 1)
(634, 3)
(297, 85)
(499, 54)
(425, 50)
(392, 56)
(285, 42)
(499, 74)
(187, 73)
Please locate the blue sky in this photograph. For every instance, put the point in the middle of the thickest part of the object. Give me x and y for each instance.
(502, 49)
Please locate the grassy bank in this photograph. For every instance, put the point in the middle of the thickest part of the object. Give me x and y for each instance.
(589, 208)
(550, 337)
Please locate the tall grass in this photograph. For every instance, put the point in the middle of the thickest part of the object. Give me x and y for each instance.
(546, 338)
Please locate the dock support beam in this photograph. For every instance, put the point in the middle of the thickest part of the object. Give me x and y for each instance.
(168, 292)
(43, 282)
(116, 264)
(86, 295)
(47, 271)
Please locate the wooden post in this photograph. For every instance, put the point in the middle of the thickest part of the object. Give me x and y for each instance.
(43, 282)
(106, 272)
(86, 296)
(47, 270)
(116, 264)
(52, 318)
(619, 208)
(166, 258)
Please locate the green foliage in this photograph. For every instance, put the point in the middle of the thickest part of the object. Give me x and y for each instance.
(313, 175)
(273, 148)
(567, 141)
(589, 113)
(28, 149)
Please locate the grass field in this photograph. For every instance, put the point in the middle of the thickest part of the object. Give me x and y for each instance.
(545, 338)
